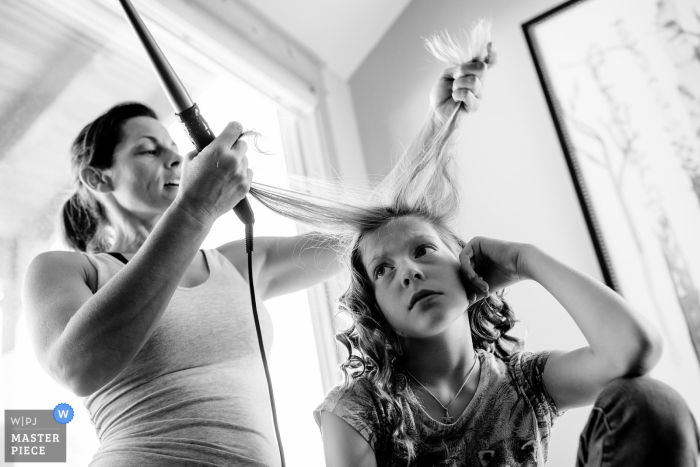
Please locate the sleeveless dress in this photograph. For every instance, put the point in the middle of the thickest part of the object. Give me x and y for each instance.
(196, 393)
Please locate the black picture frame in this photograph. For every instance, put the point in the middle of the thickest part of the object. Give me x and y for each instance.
(618, 31)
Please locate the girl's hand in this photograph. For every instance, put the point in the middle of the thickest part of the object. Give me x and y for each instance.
(216, 179)
(460, 85)
(489, 265)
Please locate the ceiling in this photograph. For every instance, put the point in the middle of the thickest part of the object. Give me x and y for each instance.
(63, 63)
(339, 32)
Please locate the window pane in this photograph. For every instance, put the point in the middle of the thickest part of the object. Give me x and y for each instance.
(293, 363)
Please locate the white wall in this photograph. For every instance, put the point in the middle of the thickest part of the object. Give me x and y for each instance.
(329, 27)
(344, 131)
(517, 185)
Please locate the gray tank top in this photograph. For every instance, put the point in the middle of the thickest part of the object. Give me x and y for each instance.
(196, 393)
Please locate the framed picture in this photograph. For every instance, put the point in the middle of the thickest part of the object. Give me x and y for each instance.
(622, 81)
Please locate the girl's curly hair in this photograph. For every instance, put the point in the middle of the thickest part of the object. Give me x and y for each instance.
(372, 346)
(422, 185)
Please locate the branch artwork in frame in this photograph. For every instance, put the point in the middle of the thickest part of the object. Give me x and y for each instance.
(622, 81)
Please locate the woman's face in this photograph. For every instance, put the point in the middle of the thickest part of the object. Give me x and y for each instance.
(146, 170)
(415, 277)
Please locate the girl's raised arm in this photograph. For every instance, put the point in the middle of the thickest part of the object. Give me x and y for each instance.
(622, 343)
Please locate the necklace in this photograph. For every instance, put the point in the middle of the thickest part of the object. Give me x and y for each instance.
(447, 418)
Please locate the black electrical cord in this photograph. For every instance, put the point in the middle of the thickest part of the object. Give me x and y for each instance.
(249, 250)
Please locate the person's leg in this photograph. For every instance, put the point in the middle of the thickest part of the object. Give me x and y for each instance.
(639, 422)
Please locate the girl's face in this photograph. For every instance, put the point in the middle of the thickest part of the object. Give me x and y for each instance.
(415, 277)
(146, 170)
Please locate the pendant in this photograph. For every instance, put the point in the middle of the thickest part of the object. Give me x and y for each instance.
(447, 418)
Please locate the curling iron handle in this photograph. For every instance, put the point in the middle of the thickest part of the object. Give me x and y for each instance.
(200, 134)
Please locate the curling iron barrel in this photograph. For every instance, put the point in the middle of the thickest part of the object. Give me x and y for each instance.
(187, 111)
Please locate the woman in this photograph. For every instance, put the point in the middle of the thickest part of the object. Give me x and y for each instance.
(156, 334)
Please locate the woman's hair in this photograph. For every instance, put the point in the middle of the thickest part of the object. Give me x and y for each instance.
(83, 217)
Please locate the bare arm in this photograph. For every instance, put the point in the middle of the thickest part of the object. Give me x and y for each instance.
(622, 343)
(343, 446)
(85, 340)
(283, 265)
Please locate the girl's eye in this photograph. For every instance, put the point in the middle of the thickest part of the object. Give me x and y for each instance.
(149, 151)
(379, 272)
(422, 250)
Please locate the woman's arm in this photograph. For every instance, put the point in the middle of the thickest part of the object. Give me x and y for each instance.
(343, 446)
(85, 340)
(622, 343)
(283, 265)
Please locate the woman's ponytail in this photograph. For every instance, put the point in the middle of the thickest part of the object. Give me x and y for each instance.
(82, 219)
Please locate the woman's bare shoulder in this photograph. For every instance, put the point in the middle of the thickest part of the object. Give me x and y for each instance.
(58, 259)
(52, 264)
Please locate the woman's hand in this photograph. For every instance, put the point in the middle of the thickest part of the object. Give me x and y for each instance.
(489, 265)
(460, 85)
(216, 179)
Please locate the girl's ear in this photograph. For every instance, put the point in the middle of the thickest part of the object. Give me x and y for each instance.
(96, 180)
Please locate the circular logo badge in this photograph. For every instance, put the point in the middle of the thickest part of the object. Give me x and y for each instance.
(63, 413)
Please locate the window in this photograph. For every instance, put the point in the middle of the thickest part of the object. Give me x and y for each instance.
(294, 351)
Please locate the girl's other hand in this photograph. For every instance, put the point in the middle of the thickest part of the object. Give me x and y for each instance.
(489, 265)
(460, 85)
(216, 179)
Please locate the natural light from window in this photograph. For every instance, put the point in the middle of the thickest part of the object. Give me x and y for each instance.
(293, 362)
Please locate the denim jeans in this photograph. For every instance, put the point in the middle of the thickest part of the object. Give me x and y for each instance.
(639, 422)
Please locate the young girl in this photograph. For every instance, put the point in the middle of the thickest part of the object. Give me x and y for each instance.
(432, 379)
(432, 376)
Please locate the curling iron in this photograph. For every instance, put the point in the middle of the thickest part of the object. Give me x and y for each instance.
(201, 135)
(186, 110)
